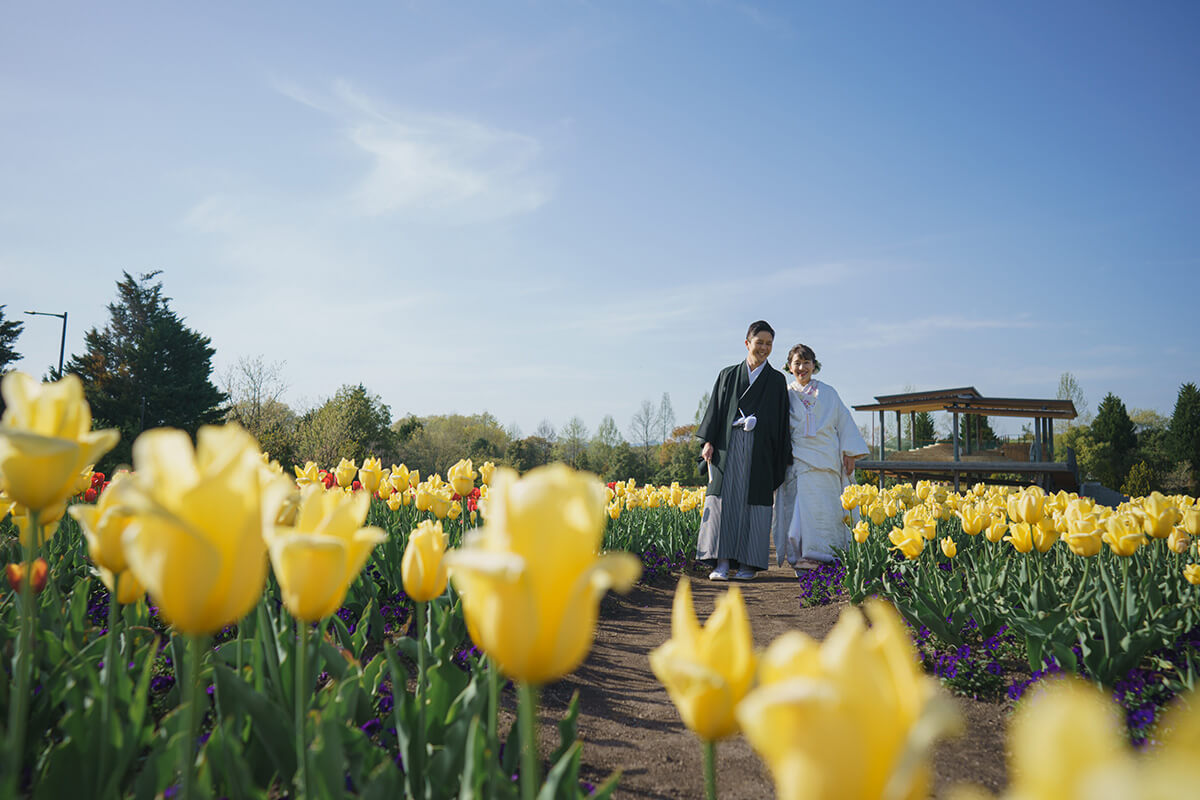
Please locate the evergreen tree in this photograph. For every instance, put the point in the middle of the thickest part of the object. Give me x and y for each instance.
(10, 329)
(923, 429)
(1184, 429)
(1115, 439)
(146, 368)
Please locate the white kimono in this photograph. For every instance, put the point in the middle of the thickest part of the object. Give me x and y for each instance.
(807, 520)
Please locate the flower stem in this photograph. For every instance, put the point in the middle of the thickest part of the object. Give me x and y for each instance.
(301, 707)
(18, 710)
(493, 686)
(710, 770)
(110, 663)
(527, 723)
(422, 626)
(191, 720)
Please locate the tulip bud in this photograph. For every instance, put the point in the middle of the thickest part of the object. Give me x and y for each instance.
(949, 548)
(16, 575)
(1192, 573)
(423, 569)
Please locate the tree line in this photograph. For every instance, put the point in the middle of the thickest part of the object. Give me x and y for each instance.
(147, 369)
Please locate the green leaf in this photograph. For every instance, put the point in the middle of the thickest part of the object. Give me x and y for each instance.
(563, 776)
(272, 725)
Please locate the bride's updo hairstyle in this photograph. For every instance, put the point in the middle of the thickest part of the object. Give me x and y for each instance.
(805, 352)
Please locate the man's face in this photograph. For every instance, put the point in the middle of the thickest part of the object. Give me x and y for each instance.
(759, 346)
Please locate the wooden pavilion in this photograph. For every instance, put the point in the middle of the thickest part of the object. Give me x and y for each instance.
(967, 402)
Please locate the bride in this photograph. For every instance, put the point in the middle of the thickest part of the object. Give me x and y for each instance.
(807, 521)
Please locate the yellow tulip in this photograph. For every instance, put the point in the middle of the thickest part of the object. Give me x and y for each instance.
(486, 470)
(344, 472)
(385, 489)
(414, 479)
(861, 531)
(424, 498)
(1020, 537)
(129, 591)
(398, 477)
(531, 578)
(1123, 534)
(103, 524)
(1160, 517)
(949, 548)
(1083, 536)
(1179, 542)
(46, 440)
(423, 569)
(455, 510)
(614, 510)
(309, 473)
(998, 527)
(1192, 573)
(395, 500)
(1044, 534)
(462, 477)
(83, 481)
(1030, 505)
(196, 538)
(439, 504)
(907, 541)
(317, 559)
(370, 474)
(851, 719)
(1190, 519)
(974, 519)
(707, 671)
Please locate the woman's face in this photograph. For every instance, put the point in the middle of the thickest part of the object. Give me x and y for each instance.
(801, 368)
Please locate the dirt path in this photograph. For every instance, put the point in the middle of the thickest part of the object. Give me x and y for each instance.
(627, 721)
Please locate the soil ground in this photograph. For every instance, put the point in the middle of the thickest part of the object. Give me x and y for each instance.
(628, 723)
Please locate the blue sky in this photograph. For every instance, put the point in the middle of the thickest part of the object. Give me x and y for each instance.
(546, 209)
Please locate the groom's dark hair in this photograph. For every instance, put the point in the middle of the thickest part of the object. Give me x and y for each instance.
(758, 327)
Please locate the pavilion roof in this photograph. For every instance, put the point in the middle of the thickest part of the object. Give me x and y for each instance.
(967, 400)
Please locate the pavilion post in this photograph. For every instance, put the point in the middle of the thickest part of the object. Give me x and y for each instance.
(899, 432)
(954, 416)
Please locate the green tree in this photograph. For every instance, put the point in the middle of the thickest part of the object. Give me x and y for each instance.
(435, 443)
(525, 454)
(679, 458)
(924, 429)
(353, 424)
(146, 368)
(1116, 441)
(10, 330)
(1184, 430)
(1138, 482)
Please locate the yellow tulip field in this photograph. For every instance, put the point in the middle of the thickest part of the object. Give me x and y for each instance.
(211, 624)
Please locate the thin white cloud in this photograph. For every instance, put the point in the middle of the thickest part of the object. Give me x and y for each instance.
(431, 167)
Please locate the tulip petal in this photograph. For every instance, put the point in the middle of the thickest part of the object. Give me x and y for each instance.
(311, 572)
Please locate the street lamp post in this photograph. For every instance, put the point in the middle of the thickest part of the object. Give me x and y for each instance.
(62, 348)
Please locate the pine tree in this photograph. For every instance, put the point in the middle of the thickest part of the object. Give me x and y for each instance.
(1184, 431)
(10, 329)
(146, 368)
(924, 432)
(1115, 439)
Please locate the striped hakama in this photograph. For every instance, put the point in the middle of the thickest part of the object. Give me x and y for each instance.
(731, 528)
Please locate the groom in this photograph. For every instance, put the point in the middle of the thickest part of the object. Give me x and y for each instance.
(747, 447)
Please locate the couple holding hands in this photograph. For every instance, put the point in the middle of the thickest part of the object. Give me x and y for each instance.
(778, 456)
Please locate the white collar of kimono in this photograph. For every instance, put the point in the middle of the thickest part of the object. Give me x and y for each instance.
(808, 397)
(754, 371)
